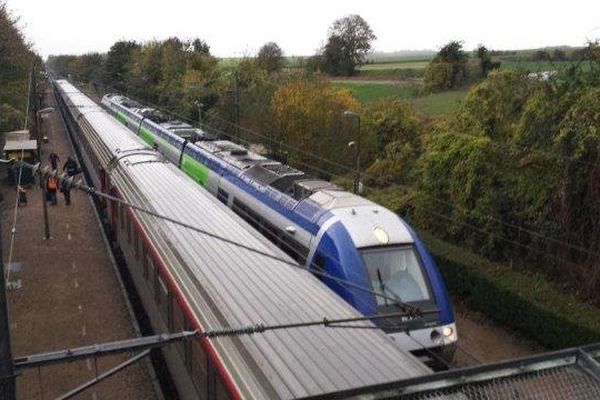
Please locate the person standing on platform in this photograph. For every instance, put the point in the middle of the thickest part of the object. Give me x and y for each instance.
(54, 160)
(66, 191)
(71, 167)
(51, 186)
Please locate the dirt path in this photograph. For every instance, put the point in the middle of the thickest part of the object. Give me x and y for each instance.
(482, 341)
(65, 292)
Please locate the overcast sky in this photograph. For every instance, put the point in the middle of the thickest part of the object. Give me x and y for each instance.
(236, 27)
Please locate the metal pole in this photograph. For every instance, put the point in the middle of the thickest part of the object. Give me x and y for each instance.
(42, 183)
(45, 207)
(7, 371)
(104, 375)
(357, 176)
(236, 94)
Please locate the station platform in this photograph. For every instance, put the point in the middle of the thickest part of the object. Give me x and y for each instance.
(65, 292)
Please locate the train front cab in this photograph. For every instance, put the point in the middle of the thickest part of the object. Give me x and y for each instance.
(404, 270)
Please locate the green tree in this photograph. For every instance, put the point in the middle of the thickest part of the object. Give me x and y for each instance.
(347, 45)
(117, 64)
(270, 57)
(448, 67)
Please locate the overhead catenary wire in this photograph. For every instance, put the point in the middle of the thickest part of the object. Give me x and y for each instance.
(71, 183)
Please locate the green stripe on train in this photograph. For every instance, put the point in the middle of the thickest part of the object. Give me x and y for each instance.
(194, 169)
(121, 117)
(147, 136)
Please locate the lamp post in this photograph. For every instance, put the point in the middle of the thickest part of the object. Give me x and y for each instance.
(39, 114)
(356, 144)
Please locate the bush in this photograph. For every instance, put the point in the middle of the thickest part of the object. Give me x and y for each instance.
(439, 76)
(526, 303)
(10, 118)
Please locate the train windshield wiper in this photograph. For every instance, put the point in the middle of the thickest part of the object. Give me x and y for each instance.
(387, 291)
(382, 286)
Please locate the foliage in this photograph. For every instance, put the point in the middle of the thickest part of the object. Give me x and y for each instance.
(17, 60)
(270, 57)
(117, 64)
(312, 110)
(395, 135)
(439, 76)
(527, 303)
(348, 43)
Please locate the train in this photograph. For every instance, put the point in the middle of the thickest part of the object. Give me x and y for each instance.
(314, 221)
(232, 278)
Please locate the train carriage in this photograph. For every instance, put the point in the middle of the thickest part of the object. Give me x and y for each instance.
(187, 280)
(317, 223)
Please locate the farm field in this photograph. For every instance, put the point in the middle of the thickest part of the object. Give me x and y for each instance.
(434, 105)
(399, 64)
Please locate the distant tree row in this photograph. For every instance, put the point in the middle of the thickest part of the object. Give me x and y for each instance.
(452, 67)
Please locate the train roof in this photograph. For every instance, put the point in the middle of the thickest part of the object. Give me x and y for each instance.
(235, 287)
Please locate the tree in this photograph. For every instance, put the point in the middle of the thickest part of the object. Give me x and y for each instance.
(348, 43)
(270, 57)
(117, 63)
(485, 60)
(200, 46)
(451, 56)
(308, 115)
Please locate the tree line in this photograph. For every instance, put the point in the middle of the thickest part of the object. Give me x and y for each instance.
(512, 174)
(17, 61)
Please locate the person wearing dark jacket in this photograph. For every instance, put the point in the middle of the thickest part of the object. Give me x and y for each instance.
(71, 167)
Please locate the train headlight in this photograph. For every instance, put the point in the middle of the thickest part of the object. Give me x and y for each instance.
(381, 235)
(447, 331)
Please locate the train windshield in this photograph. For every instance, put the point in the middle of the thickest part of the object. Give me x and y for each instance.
(396, 272)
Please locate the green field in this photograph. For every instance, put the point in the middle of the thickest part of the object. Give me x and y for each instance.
(434, 105)
(414, 64)
(441, 104)
(367, 92)
(535, 66)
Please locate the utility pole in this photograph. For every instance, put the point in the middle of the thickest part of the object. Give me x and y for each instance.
(356, 144)
(7, 370)
(236, 102)
(38, 124)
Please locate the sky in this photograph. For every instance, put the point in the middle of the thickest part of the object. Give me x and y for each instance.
(236, 28)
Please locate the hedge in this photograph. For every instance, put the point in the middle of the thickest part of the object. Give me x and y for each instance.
(526, 303)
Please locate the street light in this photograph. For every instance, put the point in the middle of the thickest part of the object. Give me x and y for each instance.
(356, 144)
(39, 114)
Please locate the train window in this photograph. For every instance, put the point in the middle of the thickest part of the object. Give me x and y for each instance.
(129, 228)
(136, 244)
(220, 391)
(222, 196)
(146, 261)
(151, 271)
(122, 216)
(162, 298)
(199, 368)
(178, 322)
(294, 249)
(319, 265)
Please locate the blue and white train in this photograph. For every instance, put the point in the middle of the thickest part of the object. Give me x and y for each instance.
(316, 222)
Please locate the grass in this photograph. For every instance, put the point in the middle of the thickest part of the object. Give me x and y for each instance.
(535, 66)
(434, 105)
(441, 104)
(367, 92)
(409, 64)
